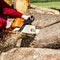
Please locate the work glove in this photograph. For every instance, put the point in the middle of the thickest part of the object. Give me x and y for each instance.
(28, 19)
(8, 24)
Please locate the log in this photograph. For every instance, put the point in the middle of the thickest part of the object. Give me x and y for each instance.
(31, 54)
(17, 39)
(8, 2)
(48, 37)
(10, 41)
(44, 20)
(44, 10)
(22, 5)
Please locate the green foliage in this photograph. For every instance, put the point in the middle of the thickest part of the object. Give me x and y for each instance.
(55, 5)
(35, 1)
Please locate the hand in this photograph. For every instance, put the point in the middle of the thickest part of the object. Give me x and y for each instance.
(8, 24)
(27, 17)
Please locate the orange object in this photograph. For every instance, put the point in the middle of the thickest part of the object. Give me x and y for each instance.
(18, 22)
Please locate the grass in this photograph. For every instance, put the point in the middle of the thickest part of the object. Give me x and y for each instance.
(48, 4)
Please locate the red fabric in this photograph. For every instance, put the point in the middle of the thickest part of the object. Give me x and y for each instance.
(3, 23)
(5, 9)
(12, 13)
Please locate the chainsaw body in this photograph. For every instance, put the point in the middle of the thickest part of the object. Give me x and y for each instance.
(19, 24)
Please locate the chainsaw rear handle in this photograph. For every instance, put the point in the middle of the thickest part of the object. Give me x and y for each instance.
(32, 18)
(29, 20)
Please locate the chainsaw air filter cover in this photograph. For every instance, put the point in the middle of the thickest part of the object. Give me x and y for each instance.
(17, 23)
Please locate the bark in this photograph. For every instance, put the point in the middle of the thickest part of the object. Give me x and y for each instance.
(31, 54)
(22, 5)
(45, 10)
(48, 37)
(44, 20)
(10, 41)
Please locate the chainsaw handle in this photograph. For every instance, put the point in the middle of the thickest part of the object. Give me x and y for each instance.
(29, 20)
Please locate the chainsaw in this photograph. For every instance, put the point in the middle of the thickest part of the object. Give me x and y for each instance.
(20, 23)
(25, 26)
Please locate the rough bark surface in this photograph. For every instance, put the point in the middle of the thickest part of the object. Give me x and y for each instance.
(10, 41)
(48, 37)
(44, 20)
(45, 10)
(31, 54)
